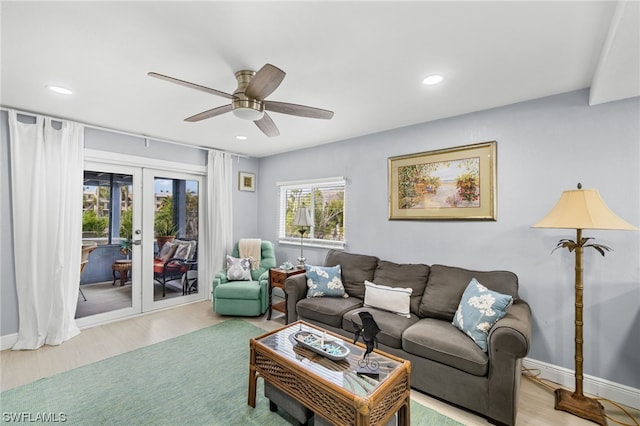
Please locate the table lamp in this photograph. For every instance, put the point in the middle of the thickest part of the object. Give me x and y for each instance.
(302, 219)
(581, 209)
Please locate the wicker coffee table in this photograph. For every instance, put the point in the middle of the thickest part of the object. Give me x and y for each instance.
(331, 389)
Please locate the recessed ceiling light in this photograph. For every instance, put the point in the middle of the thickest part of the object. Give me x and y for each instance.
(60, 90)
(432, 79)
(241, 138)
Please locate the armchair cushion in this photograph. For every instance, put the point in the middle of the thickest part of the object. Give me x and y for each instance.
(172, 265)
(243, 290)
(167, 251)
(183, 251)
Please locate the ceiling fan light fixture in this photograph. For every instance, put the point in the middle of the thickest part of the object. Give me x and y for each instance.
(247, 109)
(246, 113)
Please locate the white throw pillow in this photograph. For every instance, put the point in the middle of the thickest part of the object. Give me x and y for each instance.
(238, 269)
(183, 251)
(392, 299)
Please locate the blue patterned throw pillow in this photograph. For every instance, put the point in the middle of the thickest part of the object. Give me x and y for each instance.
(324, 281)
(479, 309)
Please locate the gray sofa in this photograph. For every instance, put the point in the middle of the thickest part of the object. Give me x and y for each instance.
(445, 362)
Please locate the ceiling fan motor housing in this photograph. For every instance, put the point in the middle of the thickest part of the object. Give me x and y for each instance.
(242, 106)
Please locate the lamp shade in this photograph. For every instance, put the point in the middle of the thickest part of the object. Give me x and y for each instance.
(582, 209)
(303, 218)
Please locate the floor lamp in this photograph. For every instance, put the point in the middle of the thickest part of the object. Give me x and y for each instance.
(302, 219)
(581, 209)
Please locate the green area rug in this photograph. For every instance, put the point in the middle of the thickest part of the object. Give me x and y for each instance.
(200, 378)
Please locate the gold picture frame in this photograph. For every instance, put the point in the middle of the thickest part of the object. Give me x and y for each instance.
(246, 181)
(447, 184)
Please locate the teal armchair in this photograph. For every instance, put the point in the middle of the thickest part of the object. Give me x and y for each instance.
(245, 298)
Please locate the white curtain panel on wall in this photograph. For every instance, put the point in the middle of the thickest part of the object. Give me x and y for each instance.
(46, 188)
(219, 211)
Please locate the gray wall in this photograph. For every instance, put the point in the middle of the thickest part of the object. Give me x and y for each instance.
(545, 146)
(245, 203)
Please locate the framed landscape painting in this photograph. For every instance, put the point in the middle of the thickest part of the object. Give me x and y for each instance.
(448, 184)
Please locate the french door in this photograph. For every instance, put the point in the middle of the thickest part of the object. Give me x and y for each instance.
(171, 210)
(126, 208)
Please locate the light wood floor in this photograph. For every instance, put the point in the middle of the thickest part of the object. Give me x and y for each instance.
(97, 343)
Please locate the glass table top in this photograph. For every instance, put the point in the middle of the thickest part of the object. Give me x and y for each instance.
(345, 373)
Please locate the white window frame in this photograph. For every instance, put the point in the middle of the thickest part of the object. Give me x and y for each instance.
(309, 184)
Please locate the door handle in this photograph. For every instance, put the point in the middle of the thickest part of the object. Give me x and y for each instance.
(138, 241)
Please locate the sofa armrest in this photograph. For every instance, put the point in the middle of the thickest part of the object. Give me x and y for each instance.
(509, 342)
(512, 333)
(295, 287)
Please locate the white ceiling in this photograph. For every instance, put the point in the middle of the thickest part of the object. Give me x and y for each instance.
(363, 60)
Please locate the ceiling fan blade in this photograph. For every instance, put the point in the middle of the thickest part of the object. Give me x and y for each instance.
(299, 110)
(264, 82)
(267, 126)
(209, 113)
(191, 85)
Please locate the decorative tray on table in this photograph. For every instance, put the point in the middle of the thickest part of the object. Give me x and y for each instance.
(320, 344)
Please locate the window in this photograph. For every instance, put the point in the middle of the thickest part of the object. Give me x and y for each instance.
(100, 221)
(325, 198)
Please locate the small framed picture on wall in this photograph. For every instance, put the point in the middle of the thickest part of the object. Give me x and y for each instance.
(246, 181)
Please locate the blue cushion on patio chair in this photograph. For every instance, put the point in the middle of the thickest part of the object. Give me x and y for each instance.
(245, 298)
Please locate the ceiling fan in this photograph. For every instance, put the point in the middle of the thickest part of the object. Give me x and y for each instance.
(248, 100)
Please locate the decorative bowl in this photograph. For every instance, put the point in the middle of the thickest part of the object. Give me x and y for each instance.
(321, 344)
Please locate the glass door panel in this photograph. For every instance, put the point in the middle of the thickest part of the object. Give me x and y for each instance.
(110, 277)
(174, 211)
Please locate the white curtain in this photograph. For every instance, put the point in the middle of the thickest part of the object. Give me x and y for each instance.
(219, 212)
(46, 189)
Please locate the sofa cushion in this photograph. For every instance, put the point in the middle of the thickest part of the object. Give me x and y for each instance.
(324, 281)
(356, 268)
(391, 325)
(447, 283)
(327, 310)
(479, 309)
(440, 341)
(392, 299)
(404, 276)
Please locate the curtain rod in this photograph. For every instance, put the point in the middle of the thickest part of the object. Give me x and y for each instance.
(123, 132)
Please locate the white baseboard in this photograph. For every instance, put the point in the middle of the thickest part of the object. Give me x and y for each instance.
(7, 342)
(621, 394)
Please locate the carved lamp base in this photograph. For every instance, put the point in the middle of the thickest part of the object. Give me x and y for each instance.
(581, 406)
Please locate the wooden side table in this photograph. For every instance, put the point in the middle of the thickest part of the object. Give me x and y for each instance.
(277, 277)
(123, 267)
